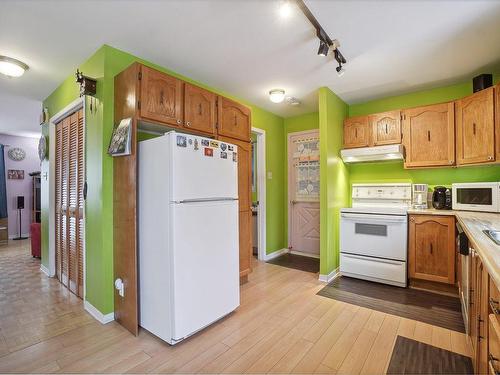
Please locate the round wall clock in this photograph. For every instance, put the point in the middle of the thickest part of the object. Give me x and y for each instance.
(16, 154)
(42, 148)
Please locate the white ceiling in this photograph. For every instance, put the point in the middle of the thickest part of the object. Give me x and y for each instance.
(244, 48)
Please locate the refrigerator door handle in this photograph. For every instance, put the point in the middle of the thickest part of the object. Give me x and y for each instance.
(205, 200)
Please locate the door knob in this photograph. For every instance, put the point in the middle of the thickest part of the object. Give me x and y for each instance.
(120, 287)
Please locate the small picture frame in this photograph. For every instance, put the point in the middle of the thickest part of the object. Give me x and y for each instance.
(15, 174)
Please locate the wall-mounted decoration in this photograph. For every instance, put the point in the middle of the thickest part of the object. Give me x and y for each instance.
(42, 148)
(88, 86)
(44, 116)
(16, 154)
(121, 139)
(15, 174)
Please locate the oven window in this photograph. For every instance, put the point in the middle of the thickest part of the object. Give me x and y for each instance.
(371, 229)
(479, 196)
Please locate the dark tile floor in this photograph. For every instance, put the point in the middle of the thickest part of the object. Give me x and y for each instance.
(297, 262)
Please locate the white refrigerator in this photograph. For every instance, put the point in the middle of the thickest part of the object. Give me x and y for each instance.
(188, 234)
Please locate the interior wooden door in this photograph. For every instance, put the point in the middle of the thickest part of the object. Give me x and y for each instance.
(234, 119)
(357, 132)
(200, 112)
(69, 199)
(429, 135)
(161, 97)
(244, 202)
(303, 192)
(476, 128)
(386, 128)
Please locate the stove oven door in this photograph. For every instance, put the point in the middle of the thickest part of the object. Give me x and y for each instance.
(374, 235)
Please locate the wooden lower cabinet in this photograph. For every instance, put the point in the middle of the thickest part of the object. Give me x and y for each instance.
(244, 153)
(431, 248)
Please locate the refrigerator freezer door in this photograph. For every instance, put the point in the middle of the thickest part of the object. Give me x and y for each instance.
(202, 168)
(205, 264)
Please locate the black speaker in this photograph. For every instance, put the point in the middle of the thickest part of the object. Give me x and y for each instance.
(20, 202)
(482, 82)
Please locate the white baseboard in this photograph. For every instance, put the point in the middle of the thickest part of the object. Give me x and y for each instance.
(45, 270)
(301, 253)
(276, 254)
(96, 314)
(12, 236)
(330, 277)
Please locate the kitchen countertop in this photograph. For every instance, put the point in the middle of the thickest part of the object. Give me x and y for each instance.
(473, 224)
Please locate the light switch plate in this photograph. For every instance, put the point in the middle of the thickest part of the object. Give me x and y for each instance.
(269, 175)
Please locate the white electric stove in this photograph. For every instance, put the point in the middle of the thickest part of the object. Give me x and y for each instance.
(373, 233)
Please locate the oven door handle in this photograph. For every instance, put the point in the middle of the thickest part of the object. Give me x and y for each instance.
(378, 260)
(373, 218)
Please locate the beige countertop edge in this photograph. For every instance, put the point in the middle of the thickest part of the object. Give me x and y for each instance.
(473, 224)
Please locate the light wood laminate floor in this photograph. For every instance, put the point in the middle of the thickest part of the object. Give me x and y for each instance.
(282, 326)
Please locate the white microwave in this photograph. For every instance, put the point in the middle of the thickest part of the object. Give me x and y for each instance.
(476, 196)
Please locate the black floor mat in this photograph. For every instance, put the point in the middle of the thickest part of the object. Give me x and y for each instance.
(297, 262)
(413, 357)
(432, 308)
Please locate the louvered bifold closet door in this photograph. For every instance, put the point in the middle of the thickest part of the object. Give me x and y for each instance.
(70, 180)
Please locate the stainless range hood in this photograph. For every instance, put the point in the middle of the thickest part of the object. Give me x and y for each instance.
(376, 153)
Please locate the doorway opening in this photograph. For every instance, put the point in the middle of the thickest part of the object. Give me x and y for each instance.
(67, 197)
(303, 198)
(259, 193)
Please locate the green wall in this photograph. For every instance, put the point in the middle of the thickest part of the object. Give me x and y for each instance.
(394, 172)
(104, 65)
(308, 121)
(334, 178)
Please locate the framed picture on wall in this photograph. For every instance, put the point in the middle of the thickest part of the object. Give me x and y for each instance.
(15, 174)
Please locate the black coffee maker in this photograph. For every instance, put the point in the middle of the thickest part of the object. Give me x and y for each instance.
(441, 198)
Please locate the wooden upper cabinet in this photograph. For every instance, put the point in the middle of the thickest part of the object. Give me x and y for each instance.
(357, 132)
(497, 123)
(429, 136)
(199, 109)
(234, 119)
(386, 128)
(432, 248)
(161, 97)
(476, 128)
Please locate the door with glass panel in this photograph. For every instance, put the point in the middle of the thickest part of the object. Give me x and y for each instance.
(69, 201)
(303, 192)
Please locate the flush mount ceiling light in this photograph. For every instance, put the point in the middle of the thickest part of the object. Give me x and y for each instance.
(12, 67)
(277, 95)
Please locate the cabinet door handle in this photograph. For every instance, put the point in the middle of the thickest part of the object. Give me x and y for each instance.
(474, 128)
(161, 97)
(431, 248)
(429, 135)
(355, 133)
(235, 121)
(385, 128)
(199, 109)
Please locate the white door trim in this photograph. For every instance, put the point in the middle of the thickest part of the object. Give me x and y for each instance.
(72, 107)
(261, 191)
(288, 180)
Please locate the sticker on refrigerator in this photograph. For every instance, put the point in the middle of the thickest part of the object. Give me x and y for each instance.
(223, 155)
(190, 141)
(230, 148)
(205, 142)
(196, 145)
(214, 144)
(235, 156)
(181, 141)
(223, 146)
(209, 152)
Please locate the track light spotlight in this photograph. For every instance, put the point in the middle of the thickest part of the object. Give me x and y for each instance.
(340, 70)
(323, 48)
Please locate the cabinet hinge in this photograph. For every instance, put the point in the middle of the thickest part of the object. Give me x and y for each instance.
(138, 104)
(139, 76)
